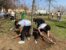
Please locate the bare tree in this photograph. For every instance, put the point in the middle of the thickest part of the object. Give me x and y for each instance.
(60, 8)
(7, 4)
(32, 13)
(2, 3)
(49, 5)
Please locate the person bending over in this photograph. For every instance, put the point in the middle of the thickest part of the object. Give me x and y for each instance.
(24, 29)
(43, 27)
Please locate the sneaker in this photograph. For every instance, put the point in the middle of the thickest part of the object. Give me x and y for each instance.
(35, 42)
(21, 42)
(28, 38)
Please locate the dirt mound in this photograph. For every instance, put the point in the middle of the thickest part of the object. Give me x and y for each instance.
(8, 43)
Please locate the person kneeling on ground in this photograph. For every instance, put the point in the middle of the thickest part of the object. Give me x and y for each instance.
(24, 29)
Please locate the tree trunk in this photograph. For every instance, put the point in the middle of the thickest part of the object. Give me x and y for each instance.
(32, 14)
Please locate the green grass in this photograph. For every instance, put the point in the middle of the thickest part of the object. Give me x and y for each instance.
(5, 26)
(58, 28)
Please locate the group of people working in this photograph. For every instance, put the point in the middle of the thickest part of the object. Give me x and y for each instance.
(24, 27)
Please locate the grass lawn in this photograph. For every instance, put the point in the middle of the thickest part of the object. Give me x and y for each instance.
(58, 30)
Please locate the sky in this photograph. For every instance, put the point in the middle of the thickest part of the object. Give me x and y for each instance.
(41, 4)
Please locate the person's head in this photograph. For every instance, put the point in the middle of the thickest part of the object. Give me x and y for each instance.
(16, 23)
(18, 26)
(59, 11)
(38, 21)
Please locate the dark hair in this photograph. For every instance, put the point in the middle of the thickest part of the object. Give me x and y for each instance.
(16, 25)
(58, 11)
(16, 22)
(38, 21)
